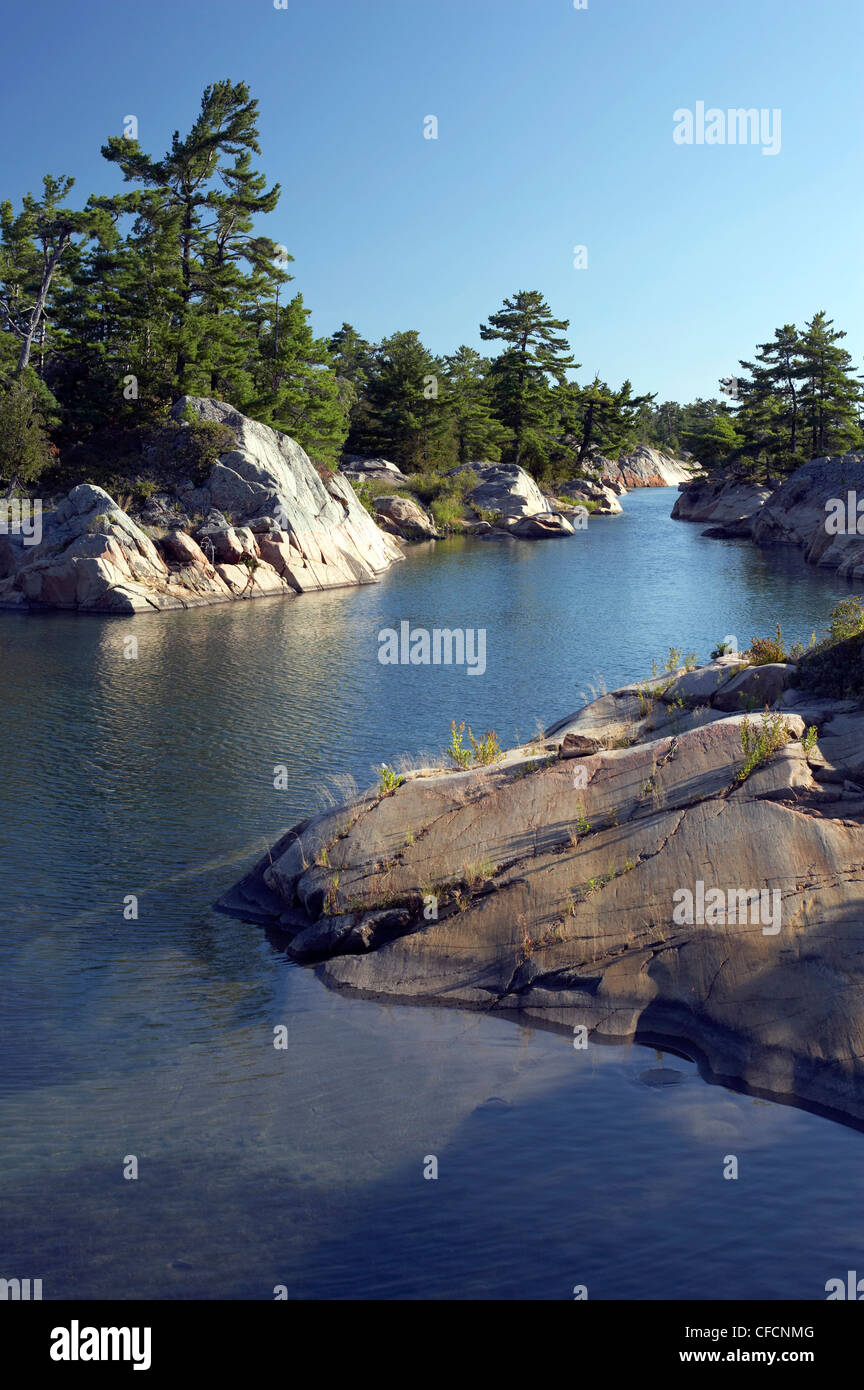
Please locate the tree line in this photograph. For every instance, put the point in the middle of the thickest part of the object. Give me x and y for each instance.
(111, 311)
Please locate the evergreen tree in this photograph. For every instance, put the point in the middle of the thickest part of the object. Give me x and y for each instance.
(709, 432)
(208, 205)
(769, 409)
(407, 414)
(296, 386)
(477, 434)
(600, 418)
(536, 356)
(33, 247)
(830, 395)
(25, 449)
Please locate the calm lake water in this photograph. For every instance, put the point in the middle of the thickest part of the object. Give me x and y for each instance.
(304, 1167)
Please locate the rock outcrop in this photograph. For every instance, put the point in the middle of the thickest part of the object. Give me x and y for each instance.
(506, 490)
(515, 501)
(634, 871)
(359, 469)
(808, 507)
(402, 516)
(815, 508)
(728, 503)
(604, 498)
(272, 526)
(645, 467)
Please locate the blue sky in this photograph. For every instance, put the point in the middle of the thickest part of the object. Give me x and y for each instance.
(554, 130)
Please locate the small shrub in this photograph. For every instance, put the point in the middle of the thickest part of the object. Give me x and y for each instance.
(388, 780)
(482, 752)
(759, 744)
(847, 620)
(445, 510)
(204, 442)
(808, 740)
(766, 650)
(460, 755)
(486, 749)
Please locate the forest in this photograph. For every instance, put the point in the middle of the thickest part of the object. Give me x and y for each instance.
(114, 307)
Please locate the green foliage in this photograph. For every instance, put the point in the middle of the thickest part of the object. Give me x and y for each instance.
(759, 742)
(766, 650)
(535, 356)
(486, 749)
(808, 740)
(25, 449)
(445, 510)
(457, 751)
(847, 619)
(204, 441)
(388, 780)
(482, 753)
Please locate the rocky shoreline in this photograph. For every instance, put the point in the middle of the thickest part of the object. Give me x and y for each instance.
(263, 521)
(548, 884)
(810, 510)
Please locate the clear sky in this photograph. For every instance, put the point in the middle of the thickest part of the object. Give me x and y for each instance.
(555, 129)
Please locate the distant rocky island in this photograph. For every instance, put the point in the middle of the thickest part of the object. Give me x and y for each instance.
(265, 521)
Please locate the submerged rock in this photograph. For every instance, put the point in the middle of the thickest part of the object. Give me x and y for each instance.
(669, 880)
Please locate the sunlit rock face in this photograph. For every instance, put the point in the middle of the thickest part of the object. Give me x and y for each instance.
(272, 525)
(638, 869)
(645, 467)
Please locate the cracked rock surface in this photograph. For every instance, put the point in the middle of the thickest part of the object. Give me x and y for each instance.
(556, 873)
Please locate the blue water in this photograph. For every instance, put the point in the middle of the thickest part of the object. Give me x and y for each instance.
(303, 1167)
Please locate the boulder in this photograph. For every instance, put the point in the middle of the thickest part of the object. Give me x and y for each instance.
(754, 688)
(402, 516)
(671, 890)
(183, 550)
(505, 489)
(542, 526)
(726, 501)
(269, 475)
(359, 469)
(94, 558)
(585, 490)
(800, 511)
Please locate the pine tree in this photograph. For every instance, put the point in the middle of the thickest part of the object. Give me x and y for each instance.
(34, 245)
(25, 449)
(296, 386)
(478, 435)
(208, 206)
(537, 355)
(601, 418)
(407, 415)
(709, 432)
(769, 410)
(830, 396)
